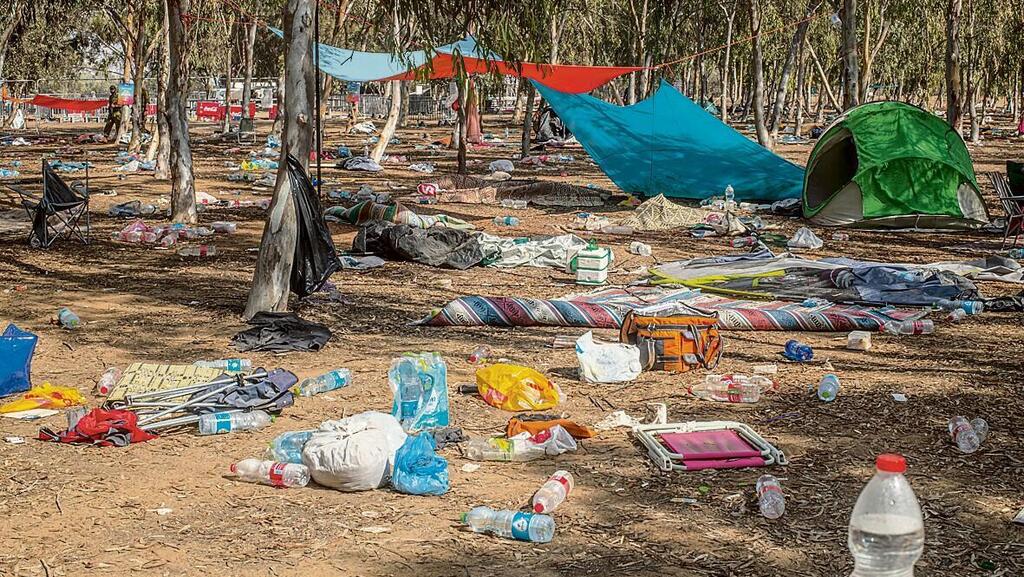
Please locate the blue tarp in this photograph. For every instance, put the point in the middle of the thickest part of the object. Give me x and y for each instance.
(356, 66)
(669, 145)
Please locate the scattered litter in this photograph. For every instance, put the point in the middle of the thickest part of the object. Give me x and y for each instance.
(899, 397)
(616, 420)
(607, 363)
(424, 167)
(15, 440)
(858, 341)
(161, 511)
(805, 238)
(501, 166)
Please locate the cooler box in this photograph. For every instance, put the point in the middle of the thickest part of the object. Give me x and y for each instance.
(592, 264)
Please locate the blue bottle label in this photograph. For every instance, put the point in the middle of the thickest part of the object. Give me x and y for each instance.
(223, 423)
(235, 365)
(521, 526)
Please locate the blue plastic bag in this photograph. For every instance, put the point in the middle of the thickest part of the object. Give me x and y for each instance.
(16, 349)
(418, 469)
(419, 383)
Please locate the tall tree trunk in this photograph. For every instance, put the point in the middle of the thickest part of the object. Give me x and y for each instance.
(250, 44)
(126, 76)
(163, 150)
(802, 94)
(848, 50)
(954, 96)
(138, 78)
(787, 68)
(730, 19)
(279, 93)
(461, 127)
(17, 9)
(271, 280)
(183, 191)
(531, 94)
(229, 24)
(391, 123)
(825, 86)
(763, 137)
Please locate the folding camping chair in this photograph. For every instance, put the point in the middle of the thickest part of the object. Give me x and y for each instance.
(246, 130)
(59, 212)
(1012, 205)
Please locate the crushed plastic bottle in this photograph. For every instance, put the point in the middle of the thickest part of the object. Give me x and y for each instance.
(743, 241)
(271, 473)
(479, 355)
(730, 198)
(956, 315)
(980, 427)
(335, 379)
(639, 248)
(921, 327)
(770, 498)
(513, 203)
(963, 435)
(828, 388)
(886, 533)
(731, 388)
(108, 380)
(553, 492)
(287, 447)
(797, 351)
(67, 319)
(228, 365)
(217, 423)
(509, 221)
(194, 251)
(521, 447)
(511, 524)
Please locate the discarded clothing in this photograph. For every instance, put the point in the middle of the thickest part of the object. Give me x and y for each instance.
(360, 163)
(360, 262)
(448, 436)
(554, 252)
(397, 213)
(438, 246)
(533, 424)
(281, 333)
(103, 428)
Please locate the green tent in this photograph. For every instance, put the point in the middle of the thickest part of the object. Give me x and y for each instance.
(892, 165)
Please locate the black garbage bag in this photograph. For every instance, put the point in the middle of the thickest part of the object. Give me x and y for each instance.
(316, 259)
(435, 246)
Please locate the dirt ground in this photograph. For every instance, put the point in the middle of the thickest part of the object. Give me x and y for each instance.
(94, 511)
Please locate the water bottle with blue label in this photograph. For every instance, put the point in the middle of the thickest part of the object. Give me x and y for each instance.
(287, 447)
(217, 423)
(226, 365)
(511, 524)
(419, 383)
(335, 379)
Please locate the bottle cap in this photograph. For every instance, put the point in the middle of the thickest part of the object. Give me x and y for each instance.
(462, 517)
(538, 508)
(234, 467)
(891, 463)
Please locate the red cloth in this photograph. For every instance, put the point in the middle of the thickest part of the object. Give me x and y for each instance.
(101, 427)
(68, 104)
(564, 78)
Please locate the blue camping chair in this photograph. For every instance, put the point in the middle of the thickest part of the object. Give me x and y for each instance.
(16, 349)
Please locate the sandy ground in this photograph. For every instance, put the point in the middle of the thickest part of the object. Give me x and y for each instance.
(77, 511)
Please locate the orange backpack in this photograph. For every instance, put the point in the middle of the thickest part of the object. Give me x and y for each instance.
(676, 342)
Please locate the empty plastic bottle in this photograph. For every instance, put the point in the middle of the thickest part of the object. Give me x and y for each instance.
(479, 355)
(828, 388)
(224, 227)
(1016, 253)
(229, 365)
(506, 221)
(216, 423)
(730, 196)
(108, 380)
(68, 319)
(271, 473)
(335, 379)
(553, 492)
(886, 528)
(770, 499)
(730, 388)
(980, 427)
(168, 240)
(201, 250)
(963, 434)
(922, 327)
(287, 447)
(797, 351)
(637, 247)
(514, 203)
(743, 241)
(511, 524)
(409, 389)
(969, 307)
(956, 315)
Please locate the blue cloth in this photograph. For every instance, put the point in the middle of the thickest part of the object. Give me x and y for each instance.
(669, 145)
(16, 349)
(357, 66)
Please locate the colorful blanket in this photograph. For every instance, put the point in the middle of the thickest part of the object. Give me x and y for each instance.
(605, 309)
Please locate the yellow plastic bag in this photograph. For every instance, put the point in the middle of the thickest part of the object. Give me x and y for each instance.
(515, 388)
(45, 396)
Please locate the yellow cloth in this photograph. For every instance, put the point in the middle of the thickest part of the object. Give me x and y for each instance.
(45, 396)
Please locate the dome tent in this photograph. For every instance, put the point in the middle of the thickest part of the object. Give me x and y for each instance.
(892, 165)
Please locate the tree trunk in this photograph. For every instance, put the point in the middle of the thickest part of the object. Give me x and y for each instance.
(848, 50)
(461, 127)
(163, 150)
(250, 44)
(802, 95)
(730, 18)
(787, 68)
(825, 86)
(954, 96)
(139, 104)
(183, 192)
(531, 94)
(763, 137)
(391, 123)
(229, 24)
(271, 280)
(275, 127)
(17, 8)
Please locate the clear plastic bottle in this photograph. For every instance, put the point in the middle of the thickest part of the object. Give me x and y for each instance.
(743, 241)
(271, 473)
(510, 221)
(503, 449)
(511, 524)
(68, 319)
(224, 227)
(886, 528)
(770, 498)
(980, 427)
(553, 492)
(963, 434)
(639, 248)
(169, 240)
(335, 379)
(409, 389)
(108, 380)
(479, 355)
(730, 197)
(956, 315)
(229, 365)
(828, 388)
(287, 447)
(216, 423)
(921, 327)
(730, 388)
(201, 250)
(513, 203)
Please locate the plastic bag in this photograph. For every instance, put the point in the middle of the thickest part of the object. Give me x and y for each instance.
(418, 470)
(419, 384)
(805, 238)
(607, 363)
(45, 396)
(16, 350)
(515, 388)
(356, 453)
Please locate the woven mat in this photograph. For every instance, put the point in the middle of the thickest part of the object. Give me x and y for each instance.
(144, 377)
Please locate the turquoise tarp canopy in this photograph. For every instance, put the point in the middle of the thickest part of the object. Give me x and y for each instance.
(669, 145)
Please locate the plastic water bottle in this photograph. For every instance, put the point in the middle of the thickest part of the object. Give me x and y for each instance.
(639, 248)
(287, 447)
(335, 379)
(228, 365)
(506, 221)
(828, 388)
(743, 241)
(217, 423)
(108, 380)
(201, 250)
(494, 449)
(1016, 253)
(271, 473)
(224, 227)
(68, 319)
(770, 499)
(963, 434)
(886, 528)
(730, 196)
(922, 327)
(514, 203)
(409, 389)
(511, 524)
(479, 355)
(730, 388)
(553, 492)
(980, 427)
(956, 315)
(797, 351)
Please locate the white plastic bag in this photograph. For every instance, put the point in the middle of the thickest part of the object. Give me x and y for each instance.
(356, 453)
(805, 238)
(607, 363)
(501, 165)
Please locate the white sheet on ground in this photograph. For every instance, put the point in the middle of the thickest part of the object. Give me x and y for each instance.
(555, 252)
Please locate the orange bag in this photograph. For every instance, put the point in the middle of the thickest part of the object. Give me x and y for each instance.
(676, 342)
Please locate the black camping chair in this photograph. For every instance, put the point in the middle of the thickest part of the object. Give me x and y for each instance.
(1013, 206)
(59, 212)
